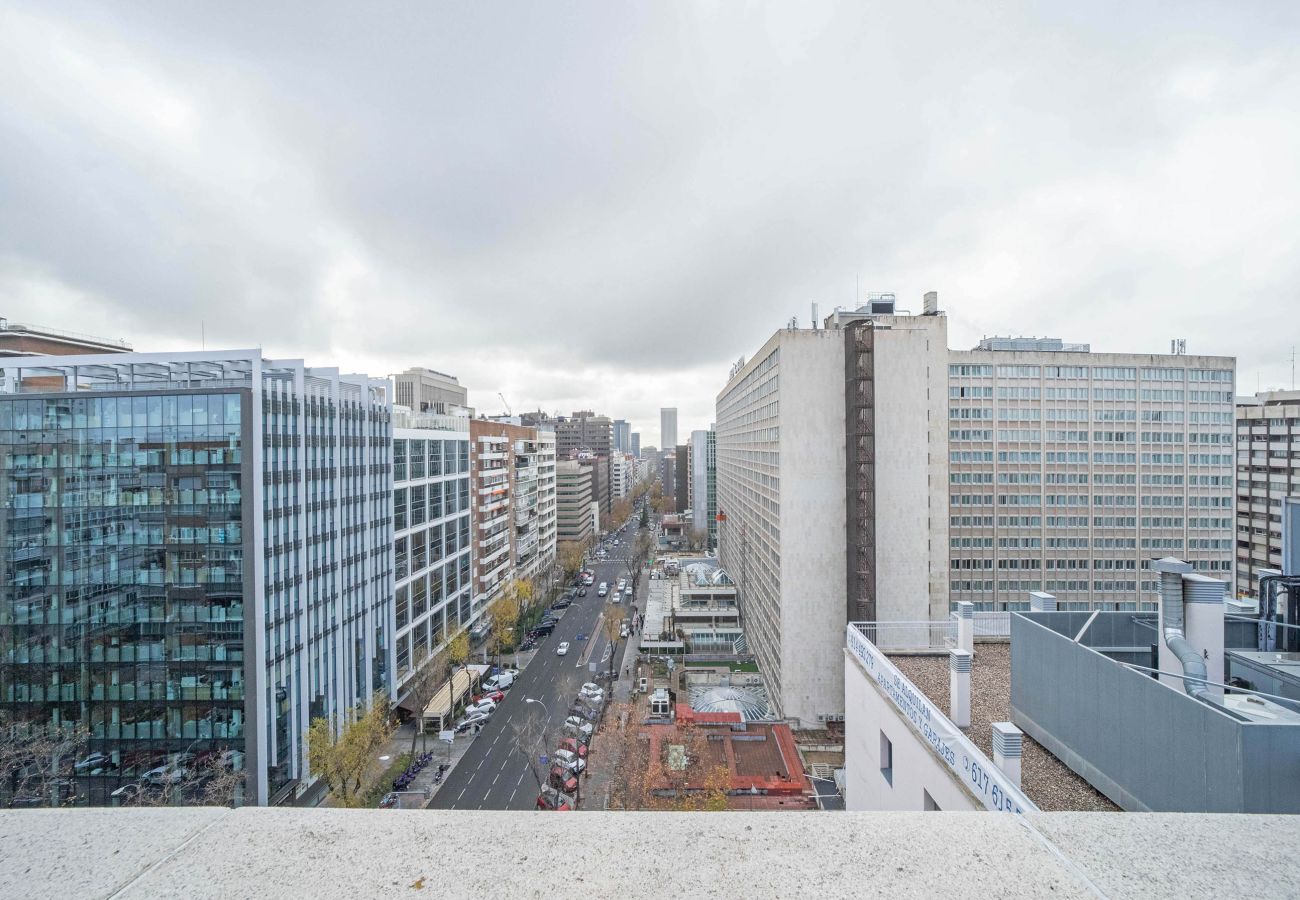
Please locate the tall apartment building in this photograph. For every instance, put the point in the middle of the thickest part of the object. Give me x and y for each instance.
(573, 502)
(668, 427)
(1038, 466)
(197, 554)
(622, 436)
(635, 448)
(431, 539)
(514, 505)
(1268, 471)
(428, 391)
(622, 475)
(601, 493)
(535, 512)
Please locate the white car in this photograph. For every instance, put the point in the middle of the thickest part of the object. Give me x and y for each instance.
(470, 720)
(616, 597)
(567, 759)
(591, 688)
(603, 589)
(592, 701)
(485, 706)
(563, 649)
(622, 584)
(579, 724)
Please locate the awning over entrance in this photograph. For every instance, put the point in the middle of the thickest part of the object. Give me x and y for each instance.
(453, 692)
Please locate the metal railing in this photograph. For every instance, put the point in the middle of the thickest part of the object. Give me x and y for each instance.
(910, 635)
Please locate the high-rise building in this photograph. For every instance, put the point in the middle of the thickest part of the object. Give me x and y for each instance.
(514, 517)
(573, 501)
(1268, 472)
(584, 432)
(668, 427)
(636, 444)
(682, 478)
(431, 538)
(1047, 468)
(197, 555)
(428, 391)
(622, 436)
(703, 481)
(621, 475)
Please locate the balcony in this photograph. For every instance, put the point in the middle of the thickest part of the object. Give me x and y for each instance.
(293, 852)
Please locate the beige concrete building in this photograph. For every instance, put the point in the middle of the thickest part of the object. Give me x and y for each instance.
(865, 472)
(1268, 471)
(573, 501)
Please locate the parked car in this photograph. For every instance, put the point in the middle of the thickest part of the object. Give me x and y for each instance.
(551, 799)
(581, 725)
(592, 701)
(469, 720)
(563, 649)
(93, 761)
(171, 773)
(573, 745)
(590, 687)
(485, 706)
(126, 794)
(501, 681)
(582, 593)
(562, 604)
(562, 779)
(494, 696)
(570, 760)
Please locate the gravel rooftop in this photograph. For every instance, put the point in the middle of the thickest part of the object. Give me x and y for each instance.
(1045, 779)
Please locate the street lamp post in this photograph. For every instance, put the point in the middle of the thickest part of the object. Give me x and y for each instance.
(541, 737)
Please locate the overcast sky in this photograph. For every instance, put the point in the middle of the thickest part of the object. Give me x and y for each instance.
(601, 205)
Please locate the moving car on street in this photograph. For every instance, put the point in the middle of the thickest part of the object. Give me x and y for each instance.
(563, 649)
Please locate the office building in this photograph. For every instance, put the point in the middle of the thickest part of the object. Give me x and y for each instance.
(704, 499)
(17, 339)
(622, 475)
(635, 448)
(197, 557)
(573, 501)
(668, 427)
(667, 472)
(584, 432)
(682, 478)
(962, 475)
(431, 538)
(428, 391)
(622, 436)
(1268, 472)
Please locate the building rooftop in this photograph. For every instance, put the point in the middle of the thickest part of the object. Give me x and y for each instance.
(197, 853)
(1047, 781)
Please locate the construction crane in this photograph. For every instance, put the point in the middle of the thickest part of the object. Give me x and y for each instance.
(503, 403)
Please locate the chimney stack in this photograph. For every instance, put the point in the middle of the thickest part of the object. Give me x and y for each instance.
(966, 626)
(959, 687)
(1007, 744)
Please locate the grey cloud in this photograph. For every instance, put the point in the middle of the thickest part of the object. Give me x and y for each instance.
(579, 204)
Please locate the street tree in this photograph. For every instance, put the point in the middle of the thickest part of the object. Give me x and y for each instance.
(423, 687)
(528, 736)
(570, 556)
(645, 517)
(340, 748)
(613, 629)
(637, 558)
(504, 617)
(35, 761)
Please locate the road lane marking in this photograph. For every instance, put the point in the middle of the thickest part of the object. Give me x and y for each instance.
(494, 780)
(512, 795)
(462, 793)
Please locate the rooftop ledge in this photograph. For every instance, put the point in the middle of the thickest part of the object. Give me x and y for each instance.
(287, 853)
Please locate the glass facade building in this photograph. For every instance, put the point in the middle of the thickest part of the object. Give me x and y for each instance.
(197, 559)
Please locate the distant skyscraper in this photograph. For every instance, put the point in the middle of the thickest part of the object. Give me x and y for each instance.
(622, 436)
(668, 427)
(636, 444)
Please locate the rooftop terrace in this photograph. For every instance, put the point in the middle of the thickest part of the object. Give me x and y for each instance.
(292, 853)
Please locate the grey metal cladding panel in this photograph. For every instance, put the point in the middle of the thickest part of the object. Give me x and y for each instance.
(1226, 773)
(1270, 759)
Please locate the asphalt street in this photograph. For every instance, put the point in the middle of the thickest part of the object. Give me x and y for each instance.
(494, 773)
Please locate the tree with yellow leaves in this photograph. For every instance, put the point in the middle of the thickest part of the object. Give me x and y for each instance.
(341, 748)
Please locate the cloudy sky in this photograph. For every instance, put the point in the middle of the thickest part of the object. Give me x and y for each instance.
(603, 204)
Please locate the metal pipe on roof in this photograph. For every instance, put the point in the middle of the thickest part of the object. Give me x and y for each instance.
(1174, 632)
